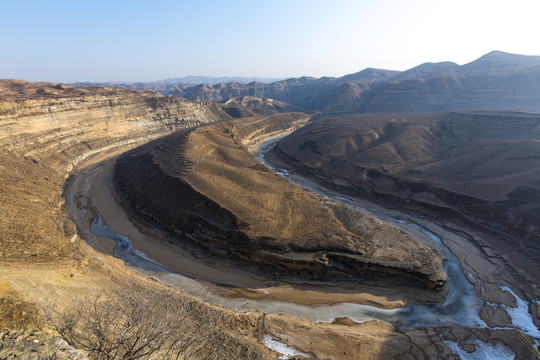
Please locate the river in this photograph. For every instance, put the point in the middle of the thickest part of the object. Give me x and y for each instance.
(461, 307)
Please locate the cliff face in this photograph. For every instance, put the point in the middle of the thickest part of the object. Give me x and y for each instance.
(47, 129)
(205, 185)
(68, 128)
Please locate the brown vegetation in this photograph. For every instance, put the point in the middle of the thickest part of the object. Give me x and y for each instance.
(45, 135)
(134, 322)
(15, 311)
(42, 258)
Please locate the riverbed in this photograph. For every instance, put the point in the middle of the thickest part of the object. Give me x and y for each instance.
(461, 308)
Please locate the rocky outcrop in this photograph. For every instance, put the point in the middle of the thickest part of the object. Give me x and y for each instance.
(47, 129)
(70, 124)
(35, 344)
(247, 106)
(205, 185)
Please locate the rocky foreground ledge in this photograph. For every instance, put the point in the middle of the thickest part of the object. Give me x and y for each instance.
(203, 185)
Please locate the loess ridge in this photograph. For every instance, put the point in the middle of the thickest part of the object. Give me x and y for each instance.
(203, 184)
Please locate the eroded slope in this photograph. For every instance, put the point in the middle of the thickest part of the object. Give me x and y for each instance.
(205, 185)
(479, 167)
(45, 130)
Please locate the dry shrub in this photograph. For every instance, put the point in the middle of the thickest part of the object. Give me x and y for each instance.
(15, 312)
(134, 323)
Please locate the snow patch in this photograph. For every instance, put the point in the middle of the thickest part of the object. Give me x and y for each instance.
(520, 315)
(484, 351)
(285, 350)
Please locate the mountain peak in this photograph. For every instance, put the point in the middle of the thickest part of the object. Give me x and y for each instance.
(499, 63)
(369, 74)
(428, 69)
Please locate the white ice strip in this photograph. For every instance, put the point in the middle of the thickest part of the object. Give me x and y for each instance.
(520, 315)
(285, 350)
(484, 351)
(460, 308)
(462, 305)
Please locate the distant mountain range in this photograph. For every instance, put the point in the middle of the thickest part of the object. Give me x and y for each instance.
(162, 85)
(495, 81)
(194, 80)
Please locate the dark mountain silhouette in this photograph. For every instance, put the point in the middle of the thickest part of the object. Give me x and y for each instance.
(495, 81)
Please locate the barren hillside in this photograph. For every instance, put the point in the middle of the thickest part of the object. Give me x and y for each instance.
(480, 167)
(46, 130)
(205, 184)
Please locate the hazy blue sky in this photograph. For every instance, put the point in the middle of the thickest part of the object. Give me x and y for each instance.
(94, 40)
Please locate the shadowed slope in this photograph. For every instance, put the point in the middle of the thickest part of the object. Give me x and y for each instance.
(46, 130)
(481, 167)
(206, 185)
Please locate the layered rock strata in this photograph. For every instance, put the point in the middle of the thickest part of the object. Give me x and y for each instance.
(46, 129)
(204, 185)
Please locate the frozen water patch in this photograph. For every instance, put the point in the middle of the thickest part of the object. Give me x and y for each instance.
(285, 350)
(473, 279)
(462, 305)
(521, 318)
(484, 351)
(282, 173)
(345, 200)
(143, 255)
(133, 258)
(460, 308)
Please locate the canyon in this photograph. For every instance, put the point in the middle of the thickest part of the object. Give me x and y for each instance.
(331, 234)
(48, 129)
(478, 167)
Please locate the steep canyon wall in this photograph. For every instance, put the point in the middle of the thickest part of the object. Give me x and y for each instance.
(46, 130)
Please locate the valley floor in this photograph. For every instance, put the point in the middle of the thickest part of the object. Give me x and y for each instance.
(91, 190)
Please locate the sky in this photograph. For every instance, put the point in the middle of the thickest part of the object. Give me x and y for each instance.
(121, 40)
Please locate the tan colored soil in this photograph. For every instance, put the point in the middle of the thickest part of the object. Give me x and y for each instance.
(44, 258)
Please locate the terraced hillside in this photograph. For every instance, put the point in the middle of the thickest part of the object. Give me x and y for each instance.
(47, 129)
(51, 131)
(205, 185)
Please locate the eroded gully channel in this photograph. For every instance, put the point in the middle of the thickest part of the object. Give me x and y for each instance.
(461, 307)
